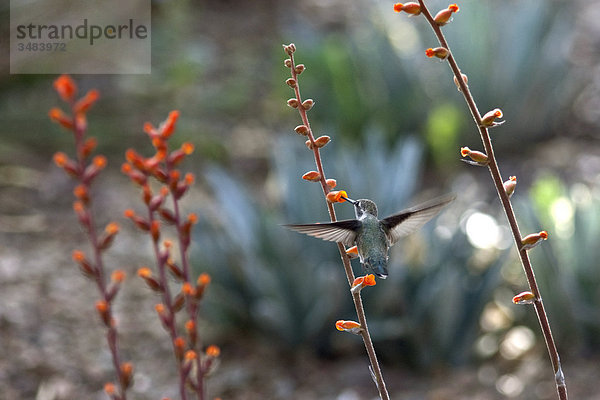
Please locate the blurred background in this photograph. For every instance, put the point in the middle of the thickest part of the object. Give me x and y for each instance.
(443, 323)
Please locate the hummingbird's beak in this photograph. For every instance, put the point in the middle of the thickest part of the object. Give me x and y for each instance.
(349, 200)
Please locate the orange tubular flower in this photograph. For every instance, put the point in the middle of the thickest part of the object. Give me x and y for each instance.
(362, 282)
(524, 298)
(409, 8)
(348, 326)
(60, 117)
(478, 157)
(532, 240)
(312, 176)
(442, 17)
(335, 196)
(439, 52)
(489, 119)
(65, 87)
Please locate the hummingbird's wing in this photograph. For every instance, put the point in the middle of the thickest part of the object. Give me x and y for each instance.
(408, 221)
(340, 231)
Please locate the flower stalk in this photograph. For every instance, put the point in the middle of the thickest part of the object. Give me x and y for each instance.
(483, 124)
(331, 197)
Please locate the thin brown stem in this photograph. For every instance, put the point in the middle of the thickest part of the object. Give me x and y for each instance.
(507, 206)
(358, 305)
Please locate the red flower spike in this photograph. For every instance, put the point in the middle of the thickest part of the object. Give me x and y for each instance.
(65, 87)
(510, 185)
(312, 176)
(348, 326)
(86, 102)
(60, 117)
(409, 8)
(532, 240)
(439, 52)
(524, 298)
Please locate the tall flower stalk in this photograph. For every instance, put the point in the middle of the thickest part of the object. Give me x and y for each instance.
(84, 172)
(331, 197)
(504, 188)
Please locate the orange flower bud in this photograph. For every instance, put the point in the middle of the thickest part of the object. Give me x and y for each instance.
(439, 52)
(168, 127)
(331, 183)
(126, 375)
(524, 298)
(312, 176)
(110, 389)
(488, 120)
(510, 185)
(213, 351)
(81, 192)
(155, 230)
(293, 103)
(117, 276)
(409, 8)
(203, 279)
(532, 240)
(189, 178)
(190, 326)
(65, 87)
(60, 159)
(352, 252)
(348, 326)
(160, 308)
(103, 309)
(301, 130)
(187, 289)
(60, 117)
(322, 141)
(442, 17)
(190, 355)
(84, 104)
(179, 346)
(112, 228)
(478, 157)
(144, 272)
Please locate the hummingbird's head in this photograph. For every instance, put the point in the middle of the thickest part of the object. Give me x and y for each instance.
(364, 206)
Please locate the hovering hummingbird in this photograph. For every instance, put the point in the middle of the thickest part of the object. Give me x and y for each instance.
(374, 237)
